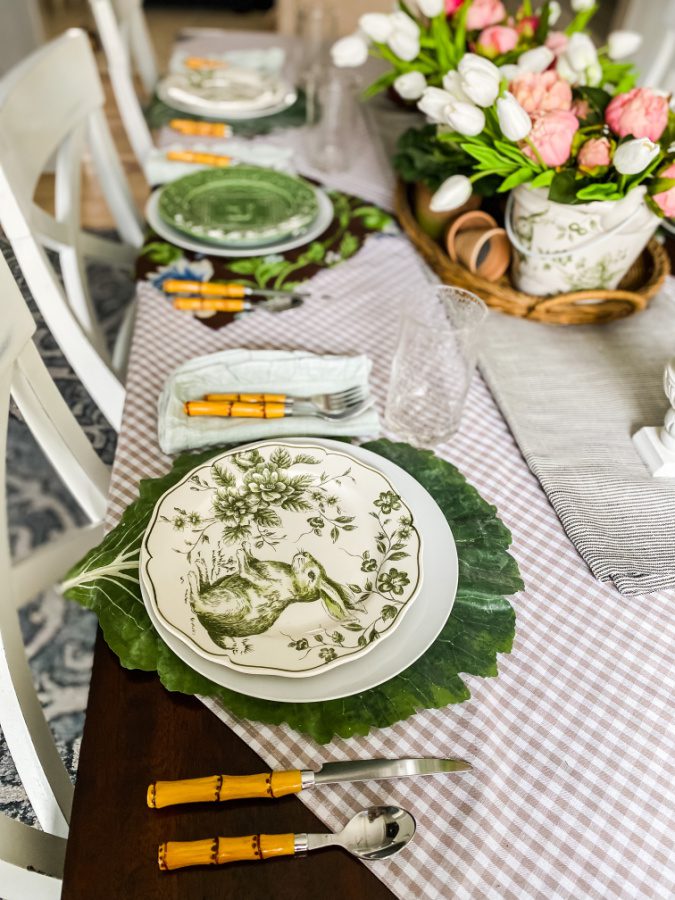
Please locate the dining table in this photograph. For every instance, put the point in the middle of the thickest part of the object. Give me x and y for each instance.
(572, 791)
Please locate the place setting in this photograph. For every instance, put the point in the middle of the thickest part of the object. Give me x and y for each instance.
(370, 547)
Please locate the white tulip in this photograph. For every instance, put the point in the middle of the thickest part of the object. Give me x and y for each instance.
(350, 51)
(377, 26)
(452, 83)
(405, 46)
(621, 44)
(433, 103)
(464, 118)
(430, 8)
(509, 71)
(580, 51)
(454, 192)
(473, 61)
(553, 12)
(582, 5)
(400, 21)
(514, 122)
(536, 60)
(410, 86)
(634, 156)
(578, 63)
(481, 88)
(479, 79)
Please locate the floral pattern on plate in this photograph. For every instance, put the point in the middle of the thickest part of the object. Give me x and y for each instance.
(282, 558)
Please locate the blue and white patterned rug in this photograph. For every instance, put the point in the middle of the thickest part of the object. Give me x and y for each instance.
(59, 635)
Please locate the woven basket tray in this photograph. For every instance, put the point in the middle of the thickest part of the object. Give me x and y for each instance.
(642, 281)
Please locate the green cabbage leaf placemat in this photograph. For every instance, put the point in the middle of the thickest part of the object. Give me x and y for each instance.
(481, 624)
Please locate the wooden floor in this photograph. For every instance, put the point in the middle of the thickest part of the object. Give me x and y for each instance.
(58, 15)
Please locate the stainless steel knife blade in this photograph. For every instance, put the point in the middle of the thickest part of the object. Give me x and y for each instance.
(376, 769)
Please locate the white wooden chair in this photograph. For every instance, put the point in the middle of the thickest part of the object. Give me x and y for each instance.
(26, 852)
(51, 108)
(128, 50)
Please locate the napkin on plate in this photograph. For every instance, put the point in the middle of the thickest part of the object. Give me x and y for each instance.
(246, 371)
(160, 170)
(270, 61)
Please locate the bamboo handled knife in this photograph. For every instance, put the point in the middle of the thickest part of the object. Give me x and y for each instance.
(217, 788)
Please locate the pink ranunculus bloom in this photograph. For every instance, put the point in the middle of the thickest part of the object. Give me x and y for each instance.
(541, 92)
(640, 112)
(666, 199)
(556, 41)
(451, 6)
(496, 39)
(483, 13)
(527, 26)
(552, 134)
(581, 109)
(594, 153)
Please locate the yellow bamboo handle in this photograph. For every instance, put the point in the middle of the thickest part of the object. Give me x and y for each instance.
(246, 398)
(202, 62)
(192, 156)
(203, 288)
(201, 129)
(236, 410)
(219, 850)
(218, 788)
(202, 304)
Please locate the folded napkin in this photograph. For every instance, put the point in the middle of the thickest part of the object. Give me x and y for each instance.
(573, 397)
(259, 371)
(269, 61)
(160, 170)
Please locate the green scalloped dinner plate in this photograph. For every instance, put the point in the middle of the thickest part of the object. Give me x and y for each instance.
(245, 206)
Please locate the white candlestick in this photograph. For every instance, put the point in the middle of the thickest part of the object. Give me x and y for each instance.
(656, 446)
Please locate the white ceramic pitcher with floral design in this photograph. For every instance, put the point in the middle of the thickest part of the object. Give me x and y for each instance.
(560, 247)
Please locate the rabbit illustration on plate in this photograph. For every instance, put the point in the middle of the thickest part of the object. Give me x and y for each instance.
(250, 599)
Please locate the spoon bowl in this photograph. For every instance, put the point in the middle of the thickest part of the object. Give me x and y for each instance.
(374, 833)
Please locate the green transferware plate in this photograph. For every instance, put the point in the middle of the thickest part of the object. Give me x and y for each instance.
(239, 207)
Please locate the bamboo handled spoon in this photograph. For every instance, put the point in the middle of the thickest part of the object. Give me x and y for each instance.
(374, 833)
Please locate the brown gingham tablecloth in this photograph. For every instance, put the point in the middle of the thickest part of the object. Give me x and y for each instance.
(573, 745)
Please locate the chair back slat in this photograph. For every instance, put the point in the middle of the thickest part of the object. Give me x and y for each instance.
(24, 377)
(115, 28)
(51, 106)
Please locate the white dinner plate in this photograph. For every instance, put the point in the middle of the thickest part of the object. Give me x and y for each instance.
(228, 94)
(315, 230)
(285, 559)
(420, 628)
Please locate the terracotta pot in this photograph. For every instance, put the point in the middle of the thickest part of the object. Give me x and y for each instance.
(435, 223)
(477, 243)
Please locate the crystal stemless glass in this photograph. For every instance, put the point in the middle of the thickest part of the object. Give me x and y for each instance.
(331, 115)
(432, 368)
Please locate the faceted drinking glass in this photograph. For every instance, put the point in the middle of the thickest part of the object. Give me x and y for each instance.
(331, 115)
(433, 366)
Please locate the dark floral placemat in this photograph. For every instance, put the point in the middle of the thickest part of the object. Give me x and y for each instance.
(158, 114)
(481, 624)
(354, 220)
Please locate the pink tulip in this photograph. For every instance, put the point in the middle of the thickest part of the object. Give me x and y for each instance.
(556, 42)
(451, 6)
(496, 39)
(527, 26)
(594, 153)
(483, 13)
(552, 134)
(640, 112)
(666, 199)
(541, 92)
